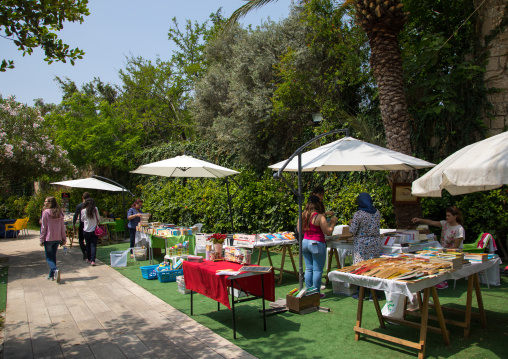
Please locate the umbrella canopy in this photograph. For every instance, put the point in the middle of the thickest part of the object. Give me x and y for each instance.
(481, 166)
(91, 183)
(184, 166)
(350, 154)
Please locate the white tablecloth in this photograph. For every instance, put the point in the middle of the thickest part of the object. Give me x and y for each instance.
(407, 288)
(344, 248)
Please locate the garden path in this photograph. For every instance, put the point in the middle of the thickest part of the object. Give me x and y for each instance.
(95, 312)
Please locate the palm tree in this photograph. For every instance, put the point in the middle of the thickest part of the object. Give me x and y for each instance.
(382, 20)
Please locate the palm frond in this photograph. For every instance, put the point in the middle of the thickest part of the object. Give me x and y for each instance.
(242, 11)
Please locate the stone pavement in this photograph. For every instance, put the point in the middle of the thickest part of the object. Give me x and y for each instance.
(95, 312)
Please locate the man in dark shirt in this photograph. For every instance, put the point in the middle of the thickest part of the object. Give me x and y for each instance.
(77, 215)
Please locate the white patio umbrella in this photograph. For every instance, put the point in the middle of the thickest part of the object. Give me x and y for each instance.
(347, 154)
(481, 166)
(188, 166)
(184, 166)
(90, 183)
(350, 154)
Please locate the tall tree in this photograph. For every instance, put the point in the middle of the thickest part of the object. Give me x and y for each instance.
(31, 24)
(27, 149)
(382, 22)
(88, 125)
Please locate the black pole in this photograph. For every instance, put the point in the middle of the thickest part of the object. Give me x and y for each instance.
(278, 175)
(125, 223)
(300, 224)
(229, 205)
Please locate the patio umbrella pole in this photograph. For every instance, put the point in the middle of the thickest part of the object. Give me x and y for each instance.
(300, 224)
(229, 205)
(278, 175)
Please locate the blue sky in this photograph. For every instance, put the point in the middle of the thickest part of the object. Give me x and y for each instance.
(113, 30)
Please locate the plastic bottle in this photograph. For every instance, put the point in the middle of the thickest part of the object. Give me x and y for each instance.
(65, 249)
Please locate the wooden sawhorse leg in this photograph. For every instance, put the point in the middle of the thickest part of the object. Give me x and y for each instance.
(420, 346)
(333, 251)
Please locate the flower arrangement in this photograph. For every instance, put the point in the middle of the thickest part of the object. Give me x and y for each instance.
(217, 238)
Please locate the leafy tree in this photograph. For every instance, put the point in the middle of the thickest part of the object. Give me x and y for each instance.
(31, 24)
(150, 98)
(91, 129)
(444, 71)
(324, 70)
(157, 94)
(27, 150)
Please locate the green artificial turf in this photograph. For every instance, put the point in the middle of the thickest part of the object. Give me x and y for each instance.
(3, 287)
(330, 335)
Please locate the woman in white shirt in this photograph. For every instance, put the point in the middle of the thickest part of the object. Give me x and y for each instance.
(90, 218)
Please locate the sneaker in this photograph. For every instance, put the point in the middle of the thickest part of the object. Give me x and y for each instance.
(356, 296)
(50, 277)
(442, 285)
(84, 256)
(57, 276)
(322, 295)
(88, 261)
(92, 263)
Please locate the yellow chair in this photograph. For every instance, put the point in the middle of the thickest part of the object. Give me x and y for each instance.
(16, 226)
(25, 225)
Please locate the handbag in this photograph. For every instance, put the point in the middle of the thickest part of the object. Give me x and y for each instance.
(99, 231)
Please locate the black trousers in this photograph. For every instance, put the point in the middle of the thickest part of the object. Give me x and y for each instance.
(81, 238)
(91, 245)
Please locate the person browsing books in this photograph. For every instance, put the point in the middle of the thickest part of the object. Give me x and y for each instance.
(315, 227)
(452, 232)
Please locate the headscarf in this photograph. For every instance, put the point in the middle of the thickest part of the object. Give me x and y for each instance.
(365, 203)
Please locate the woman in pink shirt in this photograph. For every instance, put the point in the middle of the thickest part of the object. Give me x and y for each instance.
(52, 234)
(314, 228)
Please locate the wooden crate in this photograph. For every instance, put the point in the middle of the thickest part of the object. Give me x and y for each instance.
(296, 305)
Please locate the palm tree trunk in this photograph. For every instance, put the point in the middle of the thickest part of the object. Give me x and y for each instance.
(386, 63)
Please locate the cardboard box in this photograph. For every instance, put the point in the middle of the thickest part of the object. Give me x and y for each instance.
(245, 240)
(296, 305)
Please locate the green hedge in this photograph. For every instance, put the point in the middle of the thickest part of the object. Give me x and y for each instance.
(267, 205)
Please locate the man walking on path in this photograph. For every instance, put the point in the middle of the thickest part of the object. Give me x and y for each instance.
(77, 214)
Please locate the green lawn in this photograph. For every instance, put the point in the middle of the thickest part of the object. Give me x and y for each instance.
(328, 335)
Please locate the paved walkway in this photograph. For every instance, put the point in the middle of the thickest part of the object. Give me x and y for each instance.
(95, 312)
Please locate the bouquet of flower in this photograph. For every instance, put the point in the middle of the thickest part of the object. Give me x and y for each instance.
(217, 238)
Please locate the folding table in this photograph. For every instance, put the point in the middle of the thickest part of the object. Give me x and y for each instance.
(428, 287)
(202, 278)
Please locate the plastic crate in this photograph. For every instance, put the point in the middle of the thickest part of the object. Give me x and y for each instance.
(168, 275)
(149, 272)
(139, 253)
(343, 288)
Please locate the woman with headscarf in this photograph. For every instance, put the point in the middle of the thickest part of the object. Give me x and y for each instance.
(52, 234)
(364, 226)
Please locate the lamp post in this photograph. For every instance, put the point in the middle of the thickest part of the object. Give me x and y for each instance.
(123, 199)
(278, 175)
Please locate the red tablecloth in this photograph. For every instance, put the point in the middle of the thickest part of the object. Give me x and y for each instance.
(202, 278)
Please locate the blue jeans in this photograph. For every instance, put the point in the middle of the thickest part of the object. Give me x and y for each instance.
(314, 254)
(50, 247)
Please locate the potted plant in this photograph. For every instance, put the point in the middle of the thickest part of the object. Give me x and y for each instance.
(217, 240)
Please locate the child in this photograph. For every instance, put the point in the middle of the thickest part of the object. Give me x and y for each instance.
(452, 233)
